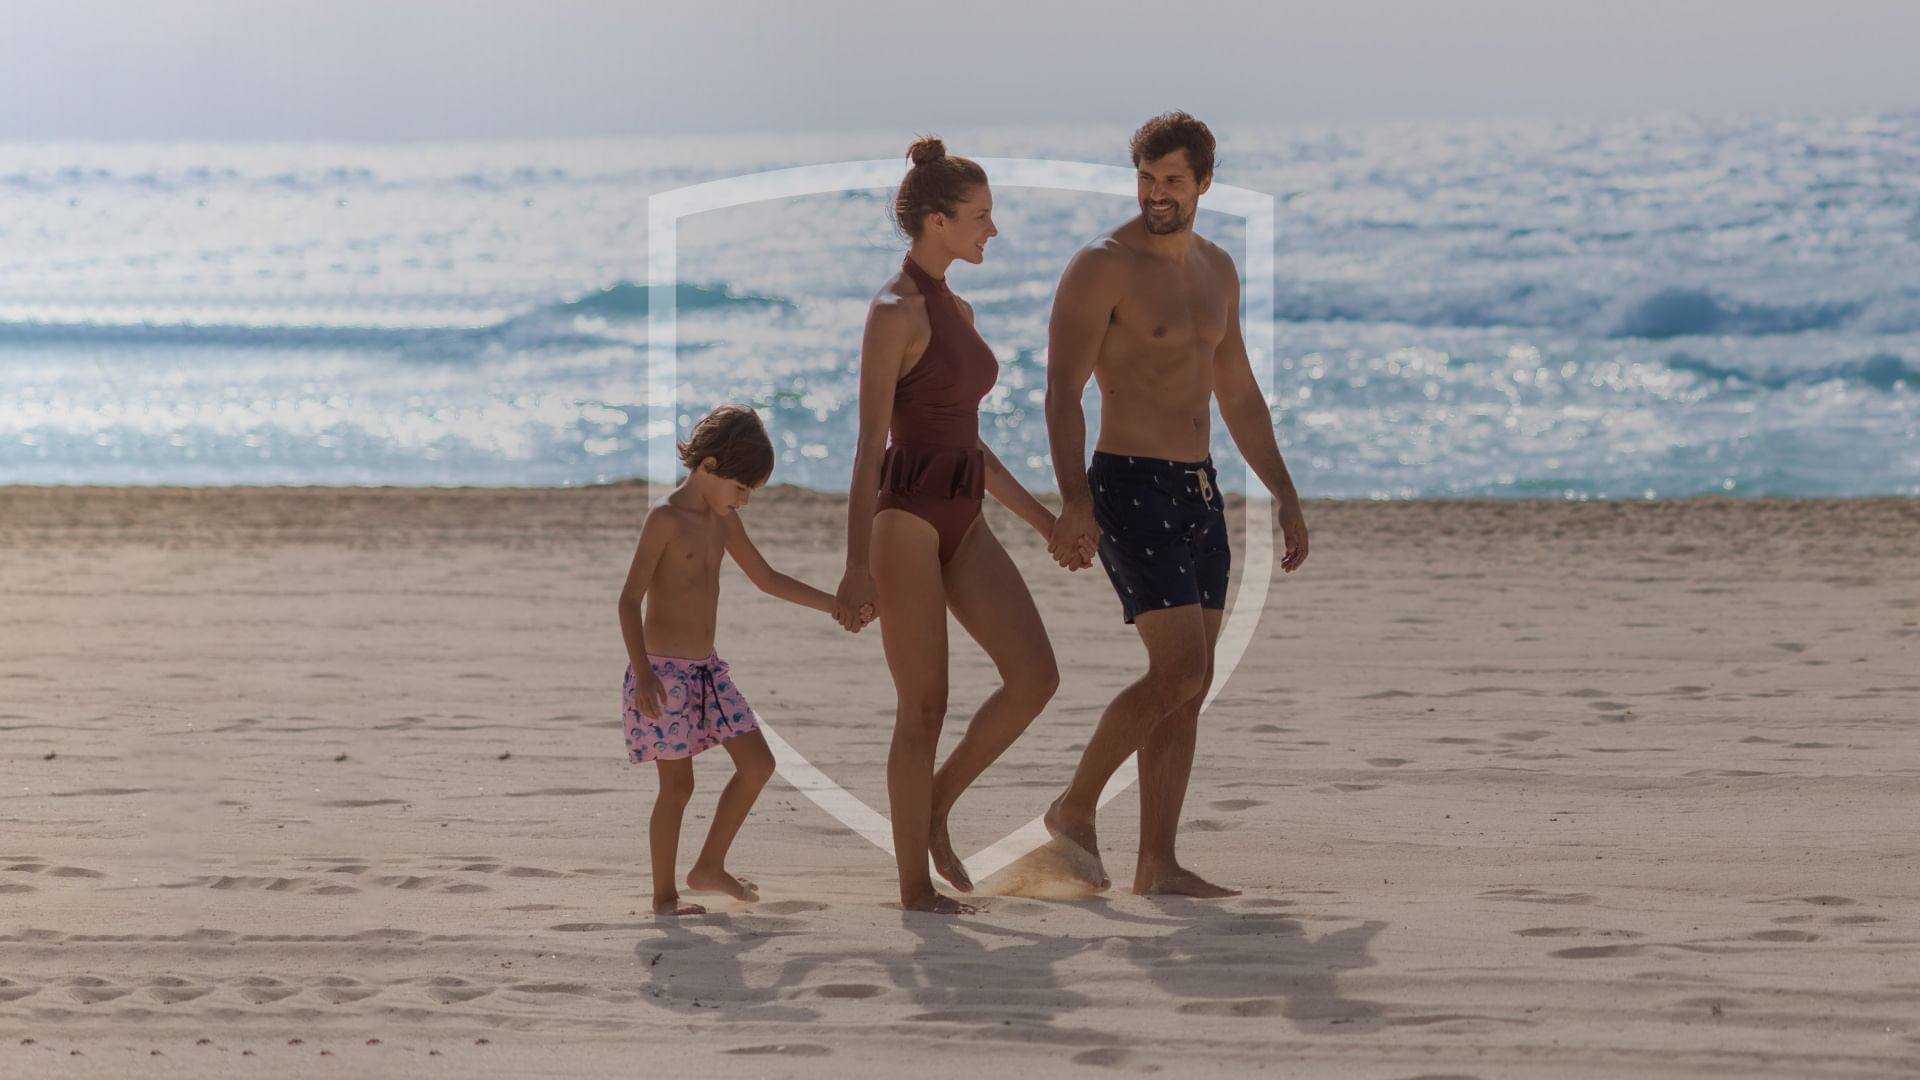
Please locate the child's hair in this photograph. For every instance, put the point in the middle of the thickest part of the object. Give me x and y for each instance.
(736, 440)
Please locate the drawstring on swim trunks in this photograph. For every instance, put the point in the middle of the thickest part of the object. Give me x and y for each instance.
(1206, 484)
(709, 691)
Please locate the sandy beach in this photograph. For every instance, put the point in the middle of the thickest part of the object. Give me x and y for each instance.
(330, 782)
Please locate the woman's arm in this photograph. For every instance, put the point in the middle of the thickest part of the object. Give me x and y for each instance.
(1005, 487)
(883, 349)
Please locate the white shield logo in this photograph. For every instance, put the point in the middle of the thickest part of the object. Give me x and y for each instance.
(664, 212)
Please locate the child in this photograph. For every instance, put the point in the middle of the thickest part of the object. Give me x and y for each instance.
(680, 698)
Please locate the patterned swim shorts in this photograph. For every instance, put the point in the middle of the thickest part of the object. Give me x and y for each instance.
(704, 709)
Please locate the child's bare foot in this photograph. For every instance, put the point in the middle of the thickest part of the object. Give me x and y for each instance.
(672, 905)
(1080, 834)
(1177, 881)
(704, 879)
(937, 904)
(940, 846)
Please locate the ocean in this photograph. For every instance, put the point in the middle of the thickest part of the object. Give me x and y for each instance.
(1647, 308)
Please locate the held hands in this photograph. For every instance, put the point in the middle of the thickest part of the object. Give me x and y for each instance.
(1075, 538)
(854, 605)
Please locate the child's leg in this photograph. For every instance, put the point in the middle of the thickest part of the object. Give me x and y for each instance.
(752, 768)
(663, 835)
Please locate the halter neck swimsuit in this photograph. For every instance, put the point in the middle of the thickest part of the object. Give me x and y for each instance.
(934, 469)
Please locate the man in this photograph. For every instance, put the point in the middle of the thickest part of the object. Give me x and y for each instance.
(1152, 312)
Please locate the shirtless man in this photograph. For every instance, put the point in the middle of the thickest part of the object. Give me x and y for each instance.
(1152, 312)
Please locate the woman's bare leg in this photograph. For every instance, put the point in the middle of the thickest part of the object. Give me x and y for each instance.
(913, 628)
(990, 600)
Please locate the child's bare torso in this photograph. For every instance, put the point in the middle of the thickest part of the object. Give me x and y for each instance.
(683, 599)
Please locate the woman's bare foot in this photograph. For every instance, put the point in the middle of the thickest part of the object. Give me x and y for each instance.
(937, 904)
(944, 860)
(1177, 881)
(1080, 834)
(712, 879)
(672, 905)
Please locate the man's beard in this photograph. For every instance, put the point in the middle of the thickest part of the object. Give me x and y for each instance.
(1165, 226)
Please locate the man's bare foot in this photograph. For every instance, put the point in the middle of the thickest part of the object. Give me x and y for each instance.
(672, 905)
(703, 879)
(937, 904)
(940, 846)
(1078, 833)
(1177, 881)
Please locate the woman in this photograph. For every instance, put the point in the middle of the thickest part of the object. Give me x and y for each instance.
(917, 543)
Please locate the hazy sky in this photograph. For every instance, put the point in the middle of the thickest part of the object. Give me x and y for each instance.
(425, 69)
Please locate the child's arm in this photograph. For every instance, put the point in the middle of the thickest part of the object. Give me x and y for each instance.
(649, 695)
(766, 578)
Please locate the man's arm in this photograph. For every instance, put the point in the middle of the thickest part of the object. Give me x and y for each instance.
(1082, 309)
(1244, 409)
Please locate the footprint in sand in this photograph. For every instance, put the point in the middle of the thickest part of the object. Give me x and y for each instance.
(1249, 1008)
(1575, 931)
(789, 907)
(169, 990)
(1783, 935)
(1598, 952)
(1386, 762)
(454, 995)
(1535, 896)
(1236, 804)
(808, 1050)
(89, 990)
(852, 991)
(265, 990)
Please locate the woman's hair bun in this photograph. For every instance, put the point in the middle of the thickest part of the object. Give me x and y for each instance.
(926, 149)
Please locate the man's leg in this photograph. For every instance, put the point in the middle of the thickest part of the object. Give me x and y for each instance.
(1177, 650)
(1166, 763)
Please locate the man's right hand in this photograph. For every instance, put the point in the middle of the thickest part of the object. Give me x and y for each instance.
(856, 598)
(1076, 537)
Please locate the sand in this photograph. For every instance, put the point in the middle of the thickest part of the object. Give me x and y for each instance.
(322, 782)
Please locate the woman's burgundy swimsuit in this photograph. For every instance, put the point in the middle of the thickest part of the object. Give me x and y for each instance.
(934, 469)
